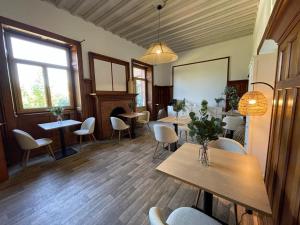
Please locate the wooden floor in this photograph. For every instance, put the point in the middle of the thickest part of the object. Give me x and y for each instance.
(106, 183)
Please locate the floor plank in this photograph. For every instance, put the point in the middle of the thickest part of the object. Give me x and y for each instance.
(106, 183)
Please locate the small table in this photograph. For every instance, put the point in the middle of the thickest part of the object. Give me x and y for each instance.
(181, 121)
(60, 125)
(132, 120)
(231, 176)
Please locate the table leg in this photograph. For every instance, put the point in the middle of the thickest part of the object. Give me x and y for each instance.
(132, 126)
(208, 203)
(62, 142)
(65, 152)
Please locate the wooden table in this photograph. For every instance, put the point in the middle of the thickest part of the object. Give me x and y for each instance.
(132, 120)
(60, 125)
(231, 176)
(181, 121)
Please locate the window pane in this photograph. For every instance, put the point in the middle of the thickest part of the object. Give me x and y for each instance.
(138, 73)
(29, 50)
(141, 91)
(32, 86)
(59, 86)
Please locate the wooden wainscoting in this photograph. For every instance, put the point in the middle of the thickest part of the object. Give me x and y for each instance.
(283, 170)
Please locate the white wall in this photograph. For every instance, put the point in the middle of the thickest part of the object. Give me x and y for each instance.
(264, 70)
(239, 50)
(46, 16)
(265, 8)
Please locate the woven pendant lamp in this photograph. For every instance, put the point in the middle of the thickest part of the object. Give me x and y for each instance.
(159, 52)
(253, 103)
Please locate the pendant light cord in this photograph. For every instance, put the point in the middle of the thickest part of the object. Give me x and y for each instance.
(158, 30)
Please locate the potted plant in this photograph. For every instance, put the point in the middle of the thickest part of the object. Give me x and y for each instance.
(58, 112)
(131, 106)
(219, 100)
(232, 97)
(204, 130)
(178, 105)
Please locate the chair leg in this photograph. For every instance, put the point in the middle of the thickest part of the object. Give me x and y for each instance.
(197, 198)
(80, 142)
(186, 136)
(155, 150)
(94, 137)
(51, 152)
(119, 136)
(27, 157)
(24, 158)
(90, 137)
(169, 147)
(129, 133)
(112, 134)
(149, 127)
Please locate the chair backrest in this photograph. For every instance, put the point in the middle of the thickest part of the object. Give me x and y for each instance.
(233, 122)
(117, 123)
(228, 145)
(165, 134)
(155, 217)
(161, 114)
(89, 124)
(25, 140)
(146, 116)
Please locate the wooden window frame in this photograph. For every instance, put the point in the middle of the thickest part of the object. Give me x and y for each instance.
(12, 62)
(142, 79)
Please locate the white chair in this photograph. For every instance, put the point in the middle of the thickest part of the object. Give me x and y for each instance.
(181, 216)
(232, 123)
(165, 135)
(87, 128)
(185, 130)
(228, 145)
(119, 125)
(27, 143)
(144, 119)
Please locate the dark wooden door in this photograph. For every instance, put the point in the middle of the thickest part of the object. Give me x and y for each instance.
(283, 164)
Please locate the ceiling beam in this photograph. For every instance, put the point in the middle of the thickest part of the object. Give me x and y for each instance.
(142, 8)
(76, 6)
(210, 34)
(98, 8)
(210, 22)
(207, 30)
(241, 31)
(210, 42)
(142, 20)
(115, 12)
(191, 19)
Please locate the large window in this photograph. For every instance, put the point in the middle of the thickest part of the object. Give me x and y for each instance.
(40, 73)
(139, 75)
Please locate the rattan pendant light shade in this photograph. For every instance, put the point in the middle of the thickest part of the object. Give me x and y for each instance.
(253, 103)
(159, 53)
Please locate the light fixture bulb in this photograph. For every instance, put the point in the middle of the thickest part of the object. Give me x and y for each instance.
(252, 101)
(158, 52)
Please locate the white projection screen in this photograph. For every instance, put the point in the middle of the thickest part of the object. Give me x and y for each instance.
(201, 80)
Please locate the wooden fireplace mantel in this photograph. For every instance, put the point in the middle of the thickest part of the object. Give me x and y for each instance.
(105, 102)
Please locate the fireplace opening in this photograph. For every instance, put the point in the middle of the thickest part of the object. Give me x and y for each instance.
(116, 111)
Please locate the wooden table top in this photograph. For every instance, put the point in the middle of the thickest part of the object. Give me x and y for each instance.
(231, 176)
(172, 119)
(131, 115)
(58, 124)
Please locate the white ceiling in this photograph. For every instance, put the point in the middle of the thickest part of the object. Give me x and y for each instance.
(185, 24)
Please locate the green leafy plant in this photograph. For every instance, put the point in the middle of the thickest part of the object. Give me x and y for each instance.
(179, 105)
(232, 96)
(131, 106)
(57, 111)
(204, 130)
